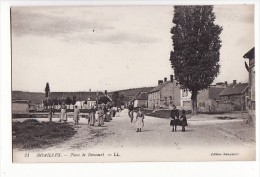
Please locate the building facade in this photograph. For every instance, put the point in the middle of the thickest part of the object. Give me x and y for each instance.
(141, 100)
(251, 81)
(165, 94)
(209, 99)
(185, 100)
(233, 97)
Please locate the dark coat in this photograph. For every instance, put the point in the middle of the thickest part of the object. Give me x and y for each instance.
(175, 114)
(183, 120)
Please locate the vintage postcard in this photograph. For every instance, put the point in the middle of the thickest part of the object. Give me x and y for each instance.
(169, 83)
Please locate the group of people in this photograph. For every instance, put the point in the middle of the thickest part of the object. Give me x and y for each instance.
(102, 113)
(139, 116)
(177, 119)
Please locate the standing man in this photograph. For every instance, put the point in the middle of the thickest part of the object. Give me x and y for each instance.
(130, 111)
(174, 118)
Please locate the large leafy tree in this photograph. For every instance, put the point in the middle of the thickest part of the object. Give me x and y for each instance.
(196, 45)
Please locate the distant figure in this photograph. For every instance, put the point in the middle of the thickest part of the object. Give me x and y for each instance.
(130, 111)
(51, 112)
(100, 117)
(63, 114)
(139, 120)
(113, 111)
(92, 117)
(107, 116)
(183, 120)
(174, 118)
(76, 115)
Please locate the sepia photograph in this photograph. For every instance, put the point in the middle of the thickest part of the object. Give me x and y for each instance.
(139, 83)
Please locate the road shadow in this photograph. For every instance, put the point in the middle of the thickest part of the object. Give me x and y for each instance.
(190, 130)
(146, 130)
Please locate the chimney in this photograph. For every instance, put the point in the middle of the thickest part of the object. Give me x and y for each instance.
(165, 79)
(160, 82)
(234, 82)
(106, 92)
(226, 83)
(171, 77)
(89, 90)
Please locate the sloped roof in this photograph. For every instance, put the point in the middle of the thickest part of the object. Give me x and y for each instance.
(159, 87)
(84, 96)
(142, 96)
(34, 97)
(214, 93)
(234, 89)
(250, 54)
(133, 92)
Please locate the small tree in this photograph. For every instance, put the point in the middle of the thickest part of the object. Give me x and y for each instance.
(121, 99)
(196, 44)
(47, 90)
(68, 101)
(55, 102)
(74, 100)
(115, 98)
(103, 99)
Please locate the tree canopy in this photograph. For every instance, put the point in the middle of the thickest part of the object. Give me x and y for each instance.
(196, 45)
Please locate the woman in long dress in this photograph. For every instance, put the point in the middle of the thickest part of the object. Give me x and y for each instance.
(139, 120)
(63, 114)
(92, 119)
(76, 115)
(100, 117)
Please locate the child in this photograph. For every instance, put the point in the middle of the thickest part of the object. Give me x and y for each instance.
(183, 120)
(139, 120)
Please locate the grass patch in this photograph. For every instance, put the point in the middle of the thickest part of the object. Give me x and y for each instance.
(34, 134)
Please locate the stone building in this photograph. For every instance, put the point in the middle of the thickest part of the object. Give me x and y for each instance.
(234, 96)
(251, 70)
(185, 100)
(209, 99)
(165, 94)
(141, 100)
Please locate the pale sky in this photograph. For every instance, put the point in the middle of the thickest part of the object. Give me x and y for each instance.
(111, 48)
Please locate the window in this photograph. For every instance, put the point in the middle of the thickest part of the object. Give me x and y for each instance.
(184, 93)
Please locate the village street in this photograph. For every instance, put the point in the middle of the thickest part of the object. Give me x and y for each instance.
(206, 138)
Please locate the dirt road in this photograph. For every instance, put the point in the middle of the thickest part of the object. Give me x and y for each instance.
(206, 138)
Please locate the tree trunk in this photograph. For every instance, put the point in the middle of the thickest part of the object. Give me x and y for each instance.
(194, 101)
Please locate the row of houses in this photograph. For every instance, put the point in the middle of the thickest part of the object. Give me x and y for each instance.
(220, 97)
(23, 102)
